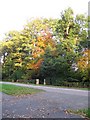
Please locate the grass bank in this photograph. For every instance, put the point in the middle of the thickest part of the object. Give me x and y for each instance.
(58, 86)
(78, 88)
(83, 112)
(17, 90)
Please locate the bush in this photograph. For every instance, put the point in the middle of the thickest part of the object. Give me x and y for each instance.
(32, 81)
(69, 82)
(55, 81)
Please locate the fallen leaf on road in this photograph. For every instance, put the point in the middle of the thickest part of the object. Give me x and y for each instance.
(66, 112)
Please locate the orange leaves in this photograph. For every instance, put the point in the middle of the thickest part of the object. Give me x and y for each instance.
(46, 39)
(48, 36)
(38, 52)
(29, 66)
(38, 64)
(40, 39)
(83, 61)
(39, 45)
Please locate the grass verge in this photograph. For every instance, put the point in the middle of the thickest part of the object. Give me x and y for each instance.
(83, 112)
(77, 88)
(17, 90)
(67, 87)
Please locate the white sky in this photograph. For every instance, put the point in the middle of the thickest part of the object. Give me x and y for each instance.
(15, 13)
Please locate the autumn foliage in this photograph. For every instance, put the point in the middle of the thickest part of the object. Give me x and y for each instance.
(83, 61)
(52, 49)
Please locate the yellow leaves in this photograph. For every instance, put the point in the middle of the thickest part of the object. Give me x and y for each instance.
(29, 66)
(83, 61)
(16, 55)
(86, 53)
(75, 41)
(19, 60)
(18, 64)
(31, 42)
(40, 39)
(41, 44)
(8, 44)
(18, 49)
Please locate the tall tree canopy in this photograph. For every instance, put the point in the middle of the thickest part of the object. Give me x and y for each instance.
(47, 48)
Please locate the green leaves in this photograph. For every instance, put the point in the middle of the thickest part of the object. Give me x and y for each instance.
(45, 47)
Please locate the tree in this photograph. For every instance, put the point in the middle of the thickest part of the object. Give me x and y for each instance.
(41, 32)
(65, 23)
(47, 48)
(22, 51)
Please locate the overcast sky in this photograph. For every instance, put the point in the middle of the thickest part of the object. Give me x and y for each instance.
(15, 13)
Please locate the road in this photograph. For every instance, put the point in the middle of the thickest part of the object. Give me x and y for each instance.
(53, 103)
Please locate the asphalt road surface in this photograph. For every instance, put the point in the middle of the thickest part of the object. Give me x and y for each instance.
(53, 103)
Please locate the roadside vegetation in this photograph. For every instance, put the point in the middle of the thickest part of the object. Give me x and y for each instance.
(68, 87)
(83, 112)
(78, 88)
(18, 90)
